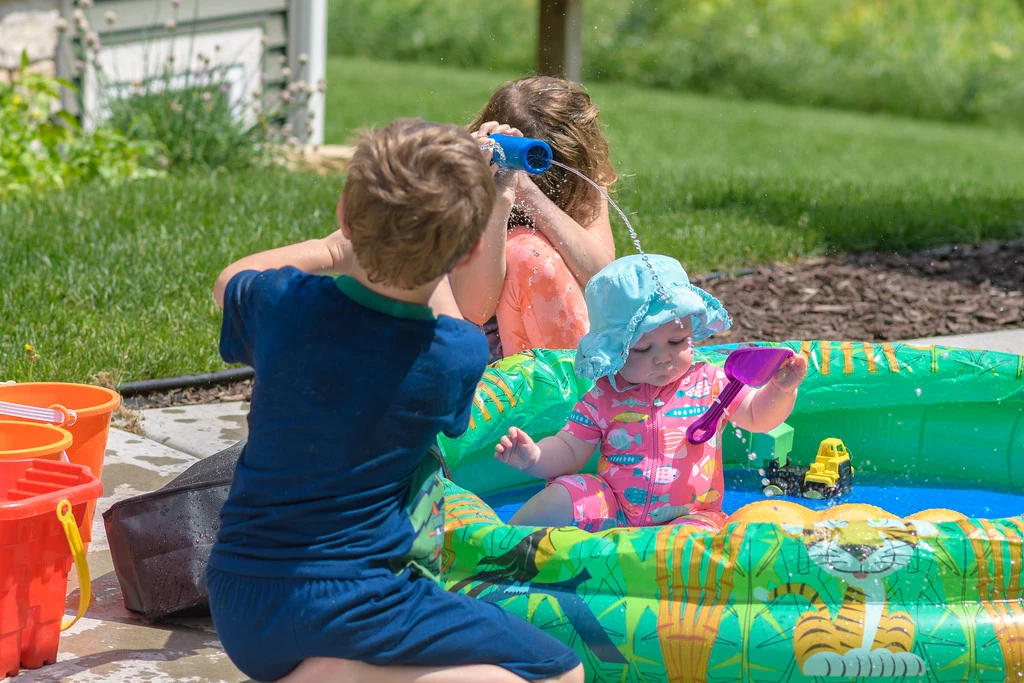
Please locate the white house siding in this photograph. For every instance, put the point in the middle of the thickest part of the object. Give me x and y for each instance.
(30, 27)
(257, 40)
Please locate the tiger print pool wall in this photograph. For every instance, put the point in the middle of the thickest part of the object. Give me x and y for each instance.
(935, 596)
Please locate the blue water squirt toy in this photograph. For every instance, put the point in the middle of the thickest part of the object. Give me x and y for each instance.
(521, 154)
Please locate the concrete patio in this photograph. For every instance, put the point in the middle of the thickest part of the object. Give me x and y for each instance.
(110, 643)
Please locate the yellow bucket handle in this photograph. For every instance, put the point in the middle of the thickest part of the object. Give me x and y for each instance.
(67, 520)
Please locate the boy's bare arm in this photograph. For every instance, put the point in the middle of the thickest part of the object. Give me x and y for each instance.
(331, 254)
(477, 285)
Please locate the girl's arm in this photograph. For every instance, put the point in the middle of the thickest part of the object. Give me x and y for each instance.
(331, 254)
(585, 249)
(553, 456)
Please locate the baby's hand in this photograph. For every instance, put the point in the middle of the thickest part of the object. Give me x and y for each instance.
(517, 449)
(789, 376)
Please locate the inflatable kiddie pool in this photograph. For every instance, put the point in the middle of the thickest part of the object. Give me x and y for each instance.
(790, 589)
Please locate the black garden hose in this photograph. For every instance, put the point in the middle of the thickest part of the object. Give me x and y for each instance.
(150, 386)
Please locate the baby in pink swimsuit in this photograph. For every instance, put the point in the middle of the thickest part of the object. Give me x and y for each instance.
(644, 317)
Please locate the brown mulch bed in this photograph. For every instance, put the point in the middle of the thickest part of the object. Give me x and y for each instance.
(221, 393)
(864, 297)
(878, 296)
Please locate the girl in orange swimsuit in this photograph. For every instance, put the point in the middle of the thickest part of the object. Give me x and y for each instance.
(527, 288)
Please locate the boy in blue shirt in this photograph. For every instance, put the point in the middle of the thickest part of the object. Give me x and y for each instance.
(320, 572)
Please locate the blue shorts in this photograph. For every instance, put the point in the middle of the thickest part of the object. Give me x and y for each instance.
(268, 626)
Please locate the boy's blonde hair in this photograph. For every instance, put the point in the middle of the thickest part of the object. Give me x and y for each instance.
(561, 113)
(416, 200)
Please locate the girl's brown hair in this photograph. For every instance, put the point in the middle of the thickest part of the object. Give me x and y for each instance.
(561, 113)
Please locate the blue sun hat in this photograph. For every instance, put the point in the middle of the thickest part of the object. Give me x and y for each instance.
(624, 303)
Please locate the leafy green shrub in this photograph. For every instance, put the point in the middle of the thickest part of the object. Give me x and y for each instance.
(42, 146)
(193, 124)
(953, 60)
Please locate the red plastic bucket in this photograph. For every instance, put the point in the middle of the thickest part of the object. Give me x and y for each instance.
(27, 440)
(40, 501)
(93, 406)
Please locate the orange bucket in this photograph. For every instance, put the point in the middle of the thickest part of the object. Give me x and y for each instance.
(93, 405)
(25, 440)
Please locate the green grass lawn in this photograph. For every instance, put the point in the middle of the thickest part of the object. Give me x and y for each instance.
(725, 183)
(118, 279)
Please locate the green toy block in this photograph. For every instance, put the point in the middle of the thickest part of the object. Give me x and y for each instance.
(775, 444)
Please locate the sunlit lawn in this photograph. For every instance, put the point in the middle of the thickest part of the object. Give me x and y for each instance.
(118, 279)
(725, 183)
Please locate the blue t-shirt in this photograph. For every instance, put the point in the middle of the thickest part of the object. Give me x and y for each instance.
(351, 390)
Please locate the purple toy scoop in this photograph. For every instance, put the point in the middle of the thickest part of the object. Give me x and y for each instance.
(754, 367)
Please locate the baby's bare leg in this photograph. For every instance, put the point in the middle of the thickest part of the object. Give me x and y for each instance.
(329, 670)
(550, 507)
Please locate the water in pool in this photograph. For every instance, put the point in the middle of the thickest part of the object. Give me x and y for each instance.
(899, 496)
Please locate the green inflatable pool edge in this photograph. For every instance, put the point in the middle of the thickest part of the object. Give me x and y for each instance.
(762, 601)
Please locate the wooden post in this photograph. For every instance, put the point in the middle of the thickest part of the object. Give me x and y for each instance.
(559, 39)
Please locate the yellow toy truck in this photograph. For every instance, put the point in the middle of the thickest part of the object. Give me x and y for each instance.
(830, 475)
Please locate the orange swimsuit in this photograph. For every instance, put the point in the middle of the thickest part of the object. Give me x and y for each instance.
(542, 304)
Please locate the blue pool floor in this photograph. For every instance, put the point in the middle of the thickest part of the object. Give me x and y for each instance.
(899, 497)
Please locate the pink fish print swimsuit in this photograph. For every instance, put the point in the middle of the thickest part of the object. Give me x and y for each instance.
(648, 473)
